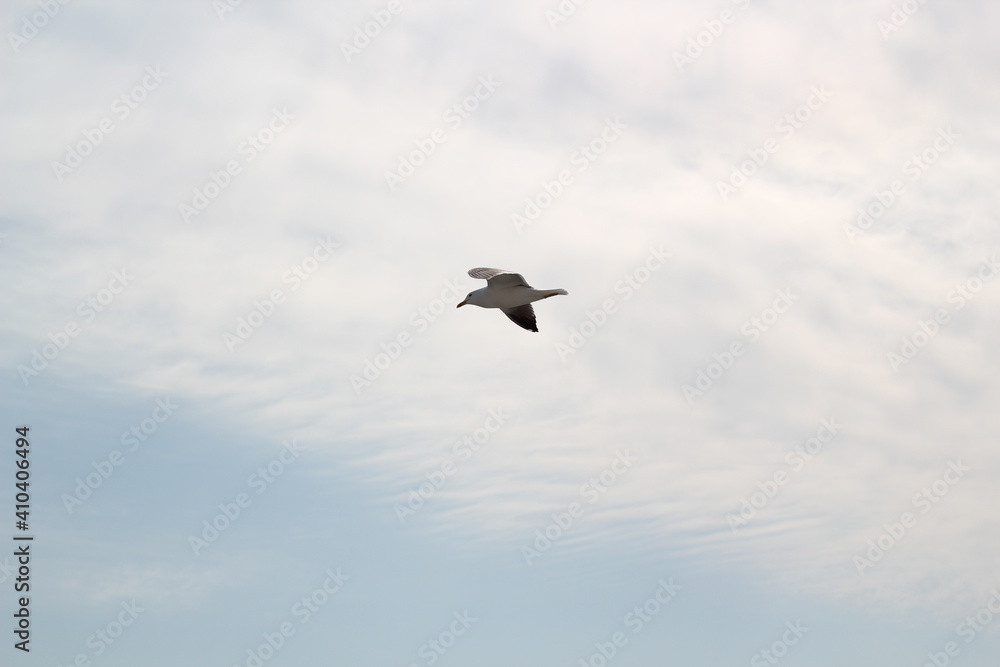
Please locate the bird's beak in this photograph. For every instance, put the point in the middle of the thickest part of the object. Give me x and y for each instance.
(461, 304)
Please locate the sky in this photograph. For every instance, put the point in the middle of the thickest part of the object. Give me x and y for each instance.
(760, 428)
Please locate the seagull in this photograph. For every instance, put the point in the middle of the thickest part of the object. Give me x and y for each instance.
(509, 292)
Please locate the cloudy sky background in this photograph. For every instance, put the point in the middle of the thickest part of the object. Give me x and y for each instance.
(687, 127)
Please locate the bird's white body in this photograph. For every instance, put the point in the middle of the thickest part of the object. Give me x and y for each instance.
(510, 293)
(509, 297)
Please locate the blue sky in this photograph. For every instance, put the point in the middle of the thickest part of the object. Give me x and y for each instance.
(760, 429)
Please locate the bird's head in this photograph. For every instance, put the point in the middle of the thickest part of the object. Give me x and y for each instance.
(470, 298)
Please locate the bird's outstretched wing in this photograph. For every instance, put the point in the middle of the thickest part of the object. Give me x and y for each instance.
(499, 277)
(484, 273)
(522, 316)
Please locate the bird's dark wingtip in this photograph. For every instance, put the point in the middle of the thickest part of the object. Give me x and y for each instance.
(522, 316)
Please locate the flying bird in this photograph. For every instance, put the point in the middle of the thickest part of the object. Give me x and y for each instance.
(510, 293)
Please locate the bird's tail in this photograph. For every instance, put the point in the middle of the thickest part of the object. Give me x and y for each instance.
(556, 292)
